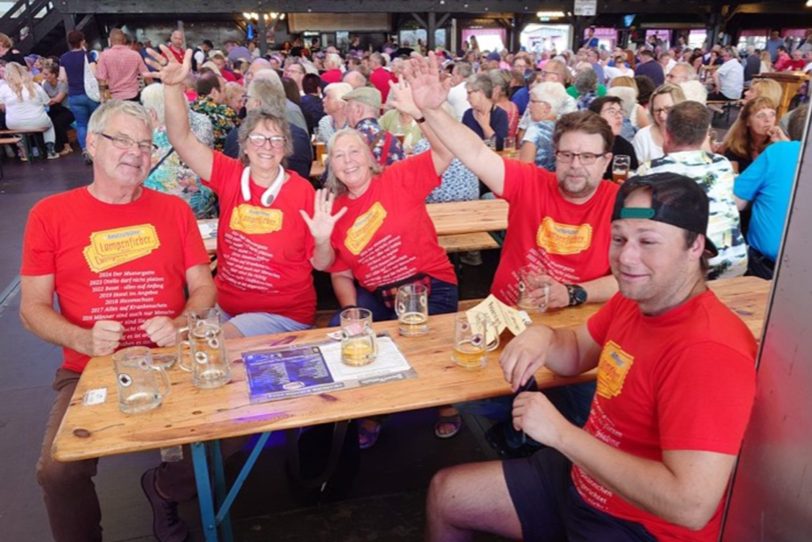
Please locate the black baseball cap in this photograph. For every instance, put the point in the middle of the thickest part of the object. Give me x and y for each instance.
(675, 199)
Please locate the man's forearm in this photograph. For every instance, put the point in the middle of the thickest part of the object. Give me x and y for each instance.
(647, 484)
(47, 324)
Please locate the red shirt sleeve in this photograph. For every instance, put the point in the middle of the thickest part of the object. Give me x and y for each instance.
(38, 245)
(598, 323)
(194, 249)
(518, 176)
(695, 412)
(415, 176)
(223, 170)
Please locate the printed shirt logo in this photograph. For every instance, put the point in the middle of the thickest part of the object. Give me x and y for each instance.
(364, 228)
(110, 248)
(255, 220)
(613, 367)
(558, 238)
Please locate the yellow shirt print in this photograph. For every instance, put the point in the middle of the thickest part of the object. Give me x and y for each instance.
(563, 239)
(613, 366)
(110, 248)
(255, 220)
(364, 228)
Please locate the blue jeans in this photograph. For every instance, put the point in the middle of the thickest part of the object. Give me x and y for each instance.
(444, 298)
(82, 107)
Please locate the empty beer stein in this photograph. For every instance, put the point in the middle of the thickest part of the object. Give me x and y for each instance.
(141, 385)
(208, 361)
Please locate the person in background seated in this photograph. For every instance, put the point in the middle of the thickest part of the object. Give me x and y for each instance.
(24, 102)
(61, 116)
(211, 102)
(656, 456)
(610, 109)
(170, 174)
(486, 120)
(767, 186)
(684, 137)
(335, 109)
(648, 141)
(547, 103)
(754, 129)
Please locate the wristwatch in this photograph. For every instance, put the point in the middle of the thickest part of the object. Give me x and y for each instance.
(577, 294)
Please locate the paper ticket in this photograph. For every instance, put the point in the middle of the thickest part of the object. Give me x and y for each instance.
(502, 316)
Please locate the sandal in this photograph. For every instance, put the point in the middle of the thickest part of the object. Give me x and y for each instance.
(368, 432)
(445, 420)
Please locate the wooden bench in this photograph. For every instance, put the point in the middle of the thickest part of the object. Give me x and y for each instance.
(29, 139)
(467, 242)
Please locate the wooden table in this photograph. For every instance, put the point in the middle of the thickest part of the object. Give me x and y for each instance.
(449, 218)
(191, 416)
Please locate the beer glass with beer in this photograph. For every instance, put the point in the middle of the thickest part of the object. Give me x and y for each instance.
(534, 290)
(621, 163)
(358, 346)
(471, 344)
(412, 308)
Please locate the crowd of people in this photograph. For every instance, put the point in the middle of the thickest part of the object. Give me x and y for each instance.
(645, 453)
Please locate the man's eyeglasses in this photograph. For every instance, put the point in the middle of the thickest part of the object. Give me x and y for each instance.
(257, 140)
(613, 111)
(586, 158)
(125, 143)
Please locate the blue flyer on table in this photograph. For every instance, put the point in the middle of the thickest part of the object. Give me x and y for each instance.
(296, 370)
(287, 372)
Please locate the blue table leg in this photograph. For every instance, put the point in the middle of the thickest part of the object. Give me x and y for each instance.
(204, 495)
(204, 491)
(223, 518)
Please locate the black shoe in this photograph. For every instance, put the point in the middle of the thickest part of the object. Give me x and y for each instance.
(166, 525)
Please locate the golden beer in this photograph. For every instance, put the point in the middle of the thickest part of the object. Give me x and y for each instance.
(358, 351)
(619, 177)
(413, 324)
(468, 355)
(321, 148)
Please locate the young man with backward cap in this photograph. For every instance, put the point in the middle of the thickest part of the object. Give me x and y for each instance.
(675, 386)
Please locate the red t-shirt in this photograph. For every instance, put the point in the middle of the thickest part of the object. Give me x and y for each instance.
(387, 234)
(682, 380)
(125, 263)
(569, 240)
(263, 253)
(380, 79)
(332, 76)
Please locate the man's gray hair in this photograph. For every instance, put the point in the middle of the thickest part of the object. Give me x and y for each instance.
(267, 90)
(100, 117)
(463, 69)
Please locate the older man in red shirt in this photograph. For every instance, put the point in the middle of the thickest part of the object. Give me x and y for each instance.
(380, 76)
(118, 69)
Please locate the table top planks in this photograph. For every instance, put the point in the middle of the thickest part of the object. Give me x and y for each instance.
(192, 415)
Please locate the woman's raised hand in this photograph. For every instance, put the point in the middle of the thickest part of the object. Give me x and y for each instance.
(400, 95)
(423, 78)
(323, 221)
(169, 70)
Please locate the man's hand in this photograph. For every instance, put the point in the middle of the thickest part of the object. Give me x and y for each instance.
(525, 355)
(169, 70)
(323, 221)
(423, 76)
(102, 339)
(559, 296)
(534, 414)
(161, 330)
